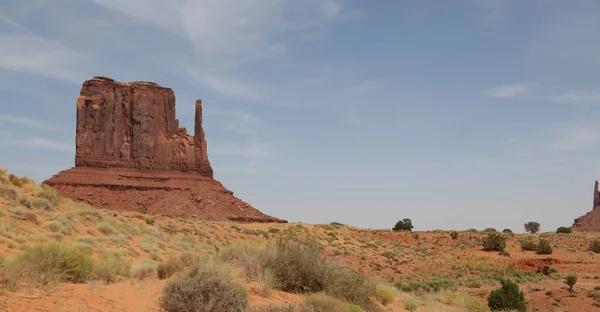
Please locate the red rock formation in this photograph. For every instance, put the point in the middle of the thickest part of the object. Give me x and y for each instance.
(131, 154)
(590, 221)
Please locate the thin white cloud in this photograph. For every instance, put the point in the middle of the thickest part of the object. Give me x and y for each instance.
(254, 150)
(23, 121)
(577, 98)
(37, 142)
(15, 25)
(240, 122)
(35, 55)
(229, 34)
(507, 91)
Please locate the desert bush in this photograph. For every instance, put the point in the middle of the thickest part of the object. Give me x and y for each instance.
(251, 258)
(8, 192)
(528, 245)
(454, 235)
(50, 262)
(108, 268)
(494, 242)
(18, 181)
(507, 231)
(488, 230)
(544, 247)
(25, 201)
(144, 269)
(564, 230)
(507, 297)
(266, 282)
(595, 246)
(106, 229)
(385, 295)
(176, 264)
(403, 225)
(301, 268)
(321, 302)
(410, 304)
(49, 195)
(571, 280)
(55, 226)
(204, 288)
(532, 227)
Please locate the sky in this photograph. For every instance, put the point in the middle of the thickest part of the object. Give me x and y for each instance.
(456, 114)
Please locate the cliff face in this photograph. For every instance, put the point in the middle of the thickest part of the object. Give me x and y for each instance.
(131, 154)
(133, 125)
(590, 221)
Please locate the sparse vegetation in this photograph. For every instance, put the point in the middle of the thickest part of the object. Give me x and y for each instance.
(507, 297)
(595, 246)
(508, 231)
(454, 235)
(543, 247)
(207, 287)
(494, 242)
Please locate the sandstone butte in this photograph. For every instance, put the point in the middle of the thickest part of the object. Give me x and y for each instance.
(590, 221)
(131, 154)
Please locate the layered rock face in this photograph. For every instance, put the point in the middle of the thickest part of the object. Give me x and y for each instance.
(131, 154)
(590, 221)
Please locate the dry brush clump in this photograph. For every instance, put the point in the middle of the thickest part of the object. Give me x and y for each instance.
(206, 287)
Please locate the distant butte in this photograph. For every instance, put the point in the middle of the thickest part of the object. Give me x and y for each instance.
(590, 221)
(131, 154)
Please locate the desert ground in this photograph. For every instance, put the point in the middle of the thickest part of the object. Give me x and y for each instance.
(414, 271)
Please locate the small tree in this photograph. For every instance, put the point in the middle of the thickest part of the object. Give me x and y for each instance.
(403, 225)
(544, 247)
(571, 280)
(506, 298)
(494, 242)
(532, 227)
(490, 230)
(564, 230)
(508, 231)
(454, 235)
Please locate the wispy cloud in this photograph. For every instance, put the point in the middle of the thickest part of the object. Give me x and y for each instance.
(35, 55)
(577, 98)
(37, 142)
(24, 121)
(238, 121)
(507, 91)
(253, 150)
(228, 35)
(251, 168)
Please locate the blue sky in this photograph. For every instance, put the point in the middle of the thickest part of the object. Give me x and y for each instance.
(456, 114)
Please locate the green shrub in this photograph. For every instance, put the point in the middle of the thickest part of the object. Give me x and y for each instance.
(410, 304)
(51, 262)
(494, 242)
(528, 245)
(507, 231)
(108, 268)
(488, 230)
(532, 227)
(454, 235)
(204, 288)
(564, 230)
(176, 264)
(403, 225)
(144, 269)
(507, 297)
(595, 246)
(571, 280)
(385, 295)
(320, 302)
(301, 268)
(544, 247)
